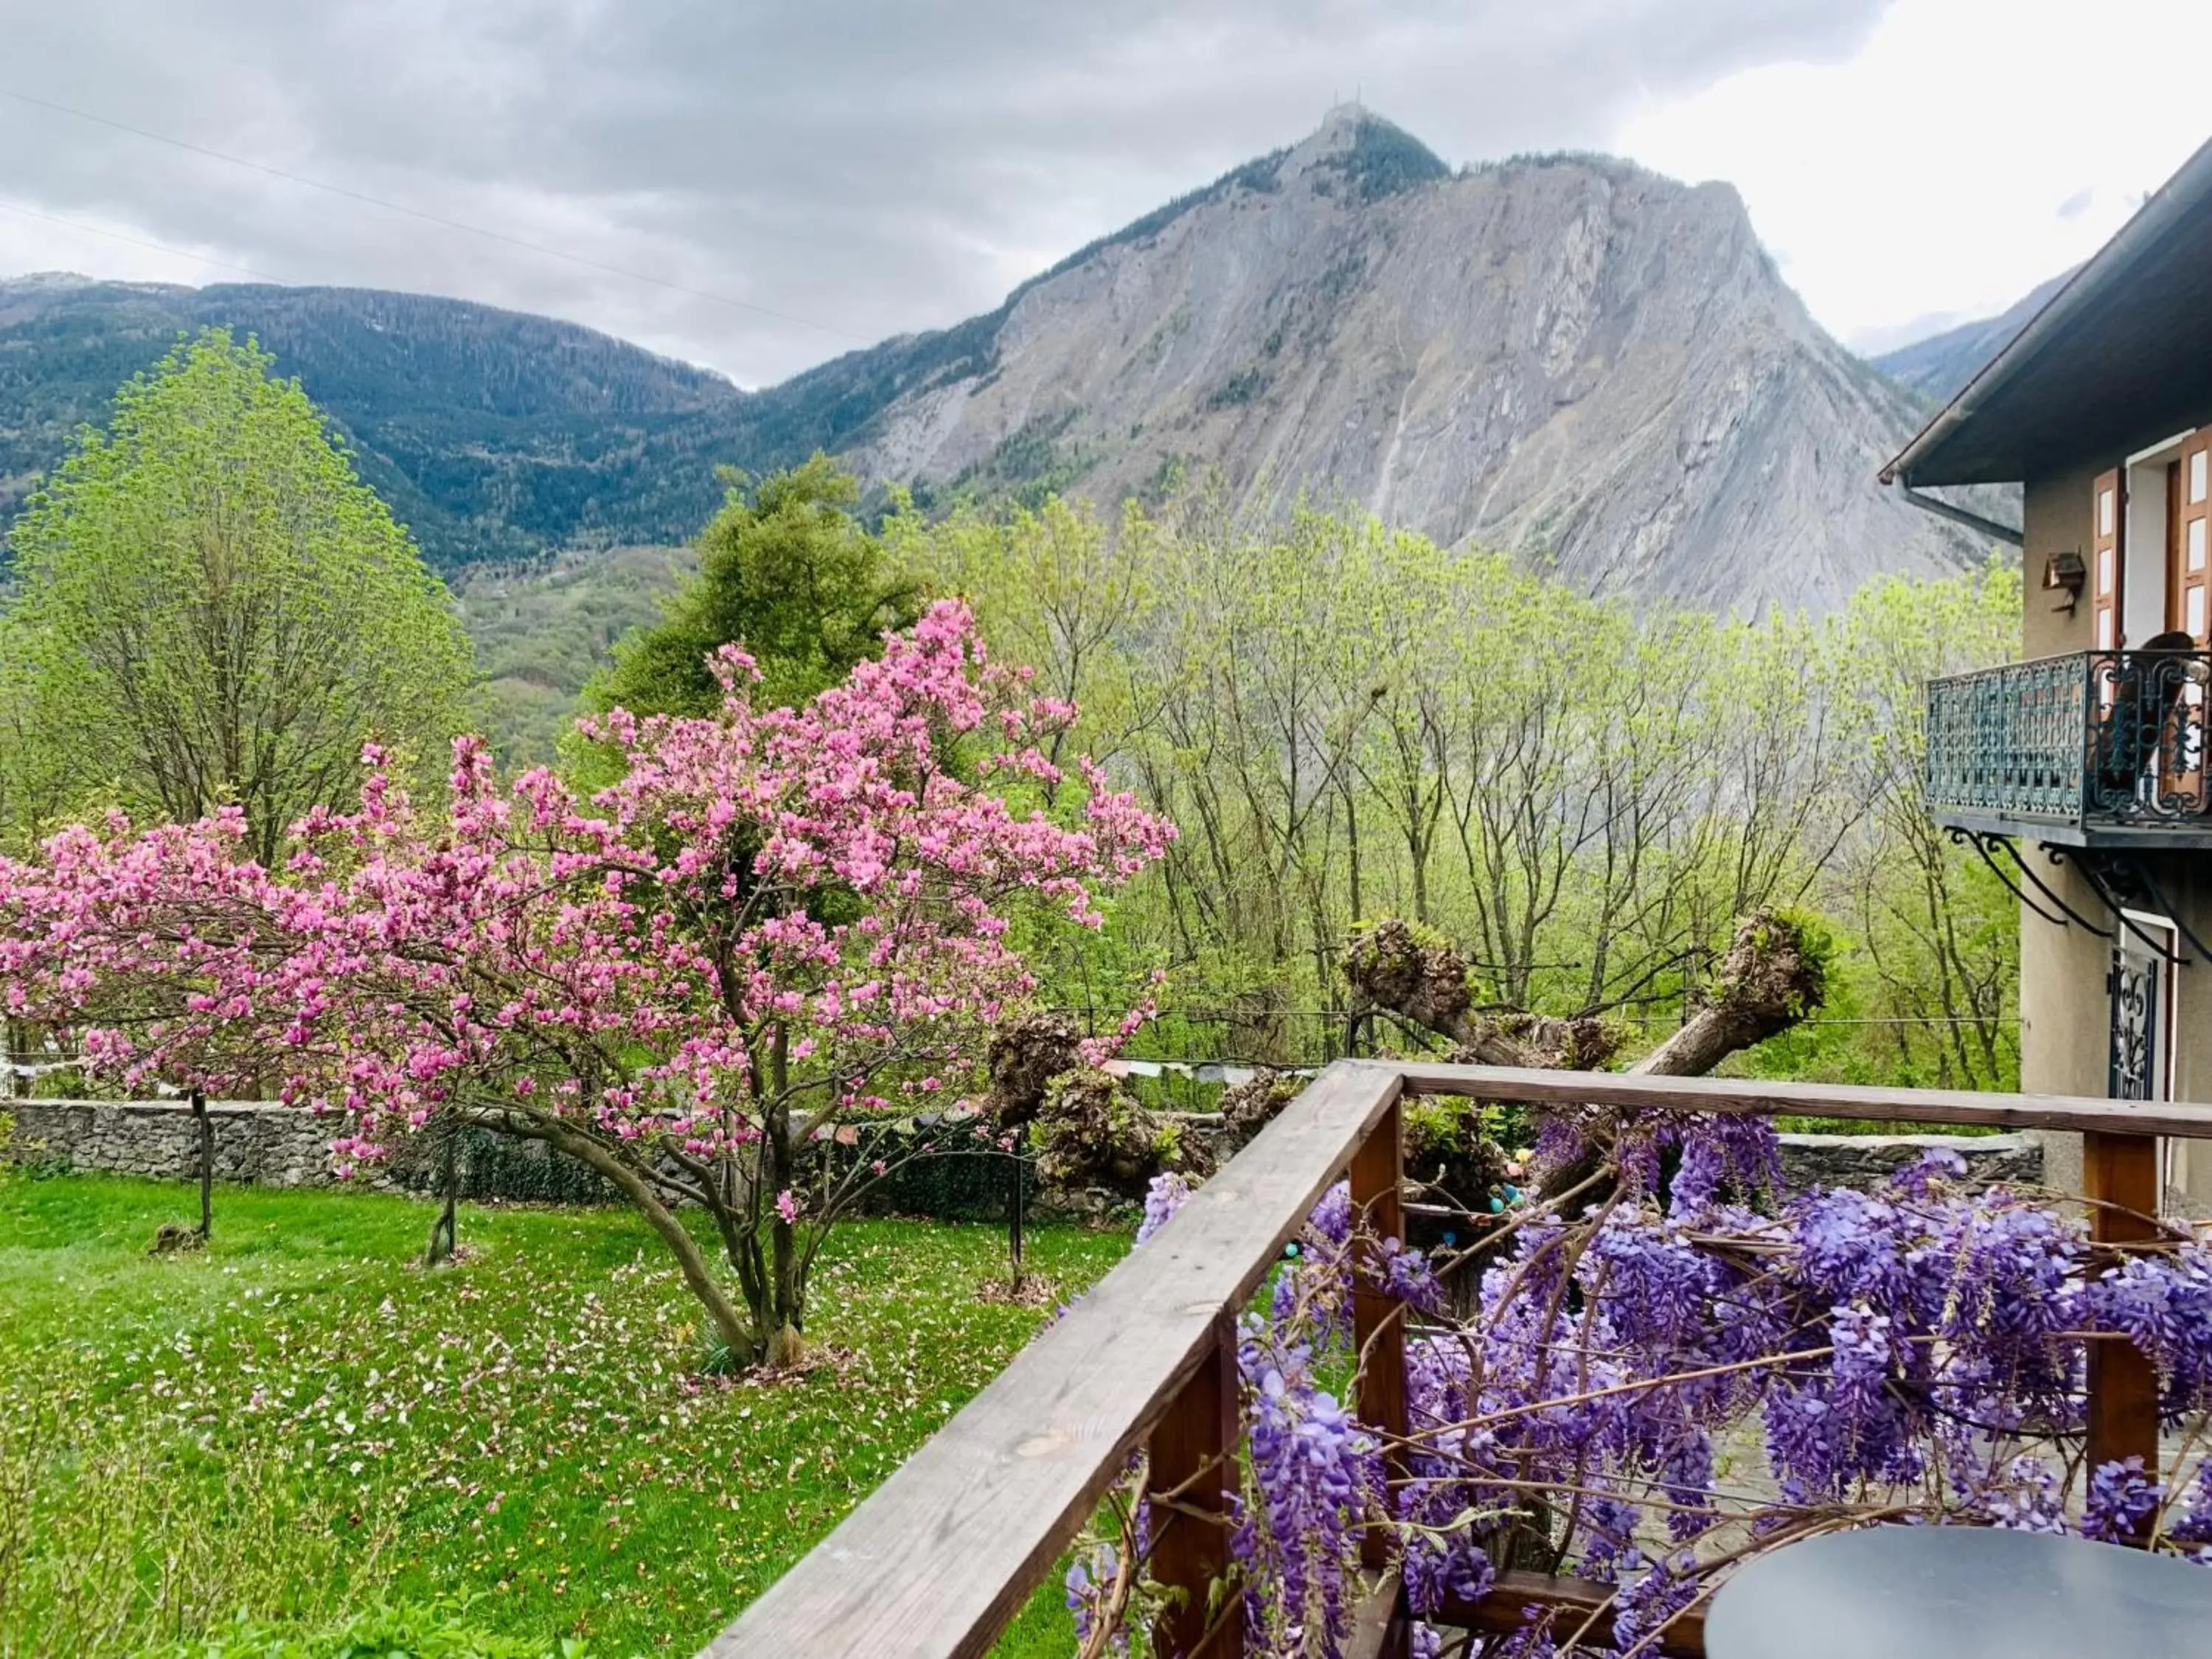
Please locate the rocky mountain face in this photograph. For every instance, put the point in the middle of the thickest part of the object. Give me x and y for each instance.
(1565, 355)
(1941, 365)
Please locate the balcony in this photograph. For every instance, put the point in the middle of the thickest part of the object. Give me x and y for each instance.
(938, 1560)
(2094, 749)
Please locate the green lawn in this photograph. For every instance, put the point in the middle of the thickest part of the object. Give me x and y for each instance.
(301, 1424)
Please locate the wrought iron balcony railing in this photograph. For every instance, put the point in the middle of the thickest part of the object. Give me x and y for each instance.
(2098, 741)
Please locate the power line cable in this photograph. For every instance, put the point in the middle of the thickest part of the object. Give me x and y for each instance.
(138, 241)
(418, 213)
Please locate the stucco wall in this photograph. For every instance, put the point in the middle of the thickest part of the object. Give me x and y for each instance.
(2065, 1002)
(2063, 1008)
(2055, 519)
(2185, 878)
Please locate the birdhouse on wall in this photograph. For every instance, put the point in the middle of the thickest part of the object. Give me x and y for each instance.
(2065, 574)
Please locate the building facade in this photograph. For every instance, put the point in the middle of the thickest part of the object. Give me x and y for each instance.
(2081, 772)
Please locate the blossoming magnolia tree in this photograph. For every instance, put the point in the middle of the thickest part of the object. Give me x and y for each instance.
(728, 981)
(139, 928)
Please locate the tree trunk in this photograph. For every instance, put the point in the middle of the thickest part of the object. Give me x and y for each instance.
(1771, 977)
(787, 1332)
(783, 1331)
(440, 1247)
(742, 1340)
(207, 1162)
(1020, 1164)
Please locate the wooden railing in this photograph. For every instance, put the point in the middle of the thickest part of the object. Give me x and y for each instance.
(949, 1548)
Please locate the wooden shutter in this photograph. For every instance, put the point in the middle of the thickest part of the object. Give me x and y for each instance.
(2187, 600)
(2108, 518)
(2189, 588)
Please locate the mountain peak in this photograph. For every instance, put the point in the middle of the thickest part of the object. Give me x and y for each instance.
(1356, 147)
(1453, 350)
(1338, 129)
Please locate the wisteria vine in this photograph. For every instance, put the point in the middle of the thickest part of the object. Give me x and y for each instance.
(1692, 1366)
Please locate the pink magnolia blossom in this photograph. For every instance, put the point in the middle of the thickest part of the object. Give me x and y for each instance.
(778, 921)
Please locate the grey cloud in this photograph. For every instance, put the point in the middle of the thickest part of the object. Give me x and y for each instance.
(873, 166)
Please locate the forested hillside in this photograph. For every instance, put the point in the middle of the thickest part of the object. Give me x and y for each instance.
(542, 629)
(1940, 365)
(491, 434)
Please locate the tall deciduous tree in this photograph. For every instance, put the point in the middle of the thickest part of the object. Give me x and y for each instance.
(1349, 722)
(787, 568)
(1939, 930)
(215, 611)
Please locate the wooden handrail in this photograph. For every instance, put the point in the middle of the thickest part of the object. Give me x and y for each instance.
(2082, 1114)
(944, 1552)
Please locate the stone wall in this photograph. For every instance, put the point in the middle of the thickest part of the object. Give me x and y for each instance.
(1864, 1161)
(283, 1147)
(270, 1145)
(273, 1145)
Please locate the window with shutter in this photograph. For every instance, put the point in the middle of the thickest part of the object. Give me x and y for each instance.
(2107, 574)
(2189, 582)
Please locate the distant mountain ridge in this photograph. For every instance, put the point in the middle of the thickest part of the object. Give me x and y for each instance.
(1565, 354)
(1941, 365)
(494, 434)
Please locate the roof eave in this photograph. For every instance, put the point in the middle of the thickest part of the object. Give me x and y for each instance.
(2187, 191)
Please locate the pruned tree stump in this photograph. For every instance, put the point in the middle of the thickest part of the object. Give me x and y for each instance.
(175, 1238)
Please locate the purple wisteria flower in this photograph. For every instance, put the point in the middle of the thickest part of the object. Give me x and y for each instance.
(1916, 1352)
(2121, 1498)
(1167, 1193)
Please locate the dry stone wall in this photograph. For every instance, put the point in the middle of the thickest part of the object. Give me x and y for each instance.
(272, 1146)
(277, 1145)
(1867, 1161)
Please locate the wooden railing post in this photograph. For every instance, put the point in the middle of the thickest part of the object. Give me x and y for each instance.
(1194, 1457)
(1378, 1326)
(2120, 1177)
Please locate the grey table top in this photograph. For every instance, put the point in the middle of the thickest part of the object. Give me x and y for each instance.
(1960, 1593)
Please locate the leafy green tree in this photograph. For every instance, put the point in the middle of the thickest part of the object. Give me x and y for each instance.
(785, 568)
(213, 610)
(1348, 721)
(1939, 933)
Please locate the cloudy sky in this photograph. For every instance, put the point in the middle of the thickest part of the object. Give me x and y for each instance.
(757, 185)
